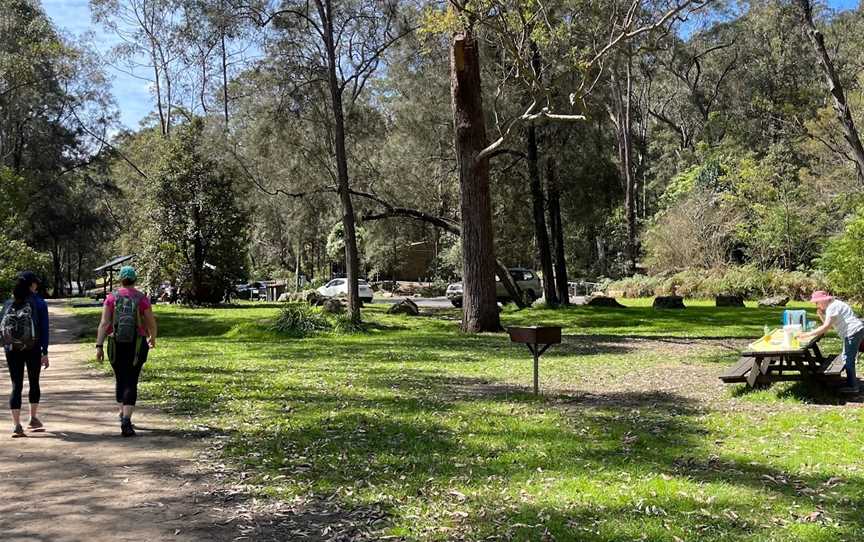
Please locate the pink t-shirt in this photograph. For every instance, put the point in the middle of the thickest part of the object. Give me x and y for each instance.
(143, 306)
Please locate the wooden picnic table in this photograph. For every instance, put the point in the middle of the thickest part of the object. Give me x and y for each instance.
(764, 362)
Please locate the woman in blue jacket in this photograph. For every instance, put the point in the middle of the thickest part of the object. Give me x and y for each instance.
(24, 328)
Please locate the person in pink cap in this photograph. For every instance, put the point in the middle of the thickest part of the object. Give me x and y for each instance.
(839, 315)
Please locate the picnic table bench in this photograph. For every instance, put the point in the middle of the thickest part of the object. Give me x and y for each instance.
(764, 362)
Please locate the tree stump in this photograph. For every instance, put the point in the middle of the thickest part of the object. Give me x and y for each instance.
(669, 302)
(603, 301)
(406, 306)
(729, 301)
(775, 301)
(332, 306)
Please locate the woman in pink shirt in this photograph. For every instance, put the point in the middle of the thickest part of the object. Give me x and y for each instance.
(130, 327)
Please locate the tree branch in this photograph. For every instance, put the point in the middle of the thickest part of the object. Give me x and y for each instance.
(628, 22)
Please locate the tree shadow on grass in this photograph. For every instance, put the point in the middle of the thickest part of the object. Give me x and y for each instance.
(419, 455)
(670, 518)
(415, 434)
(815, 392)
(382, 327)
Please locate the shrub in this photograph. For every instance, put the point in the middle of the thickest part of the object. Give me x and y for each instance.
(17, 256)
(688, 283)
(795, 284)
(697, 232)
(843, 259)
(299, 320)
(746, 281)
(635, 286)
(344, 324)
(436, 289)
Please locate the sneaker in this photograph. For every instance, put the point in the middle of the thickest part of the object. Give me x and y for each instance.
(18, 432)
(35, 425)
(126, 428)
(120, 417)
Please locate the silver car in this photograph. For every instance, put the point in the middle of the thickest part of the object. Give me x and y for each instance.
(339, 288)
(527, 280)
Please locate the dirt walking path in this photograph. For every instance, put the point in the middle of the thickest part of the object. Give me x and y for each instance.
(81, 481)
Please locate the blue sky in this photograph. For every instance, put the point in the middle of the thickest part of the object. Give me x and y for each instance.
(133, 97)
(132, 94)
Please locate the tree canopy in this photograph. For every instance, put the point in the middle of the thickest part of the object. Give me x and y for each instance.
(648, 136)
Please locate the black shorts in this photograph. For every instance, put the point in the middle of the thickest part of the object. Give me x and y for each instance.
(128, 354)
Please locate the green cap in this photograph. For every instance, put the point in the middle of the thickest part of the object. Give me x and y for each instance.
(128, 272)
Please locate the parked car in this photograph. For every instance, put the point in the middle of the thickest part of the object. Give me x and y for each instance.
(339, 288)
(527, 280)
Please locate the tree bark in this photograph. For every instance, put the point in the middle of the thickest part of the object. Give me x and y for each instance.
(197, 286)
(557, 227)
(297, 266)
(79, 272)
(621, 115)
(541, 234)
(835, 88)
(352, 259)
(600, 243)
(56, 260)
(480, 310)
(224, 75)
(69, 270)
(510, 285)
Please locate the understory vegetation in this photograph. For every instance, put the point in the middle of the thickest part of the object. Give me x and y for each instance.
(435, 434)
(746, 281)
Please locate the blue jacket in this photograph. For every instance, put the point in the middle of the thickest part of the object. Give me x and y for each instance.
(42, 311)
(41, 319)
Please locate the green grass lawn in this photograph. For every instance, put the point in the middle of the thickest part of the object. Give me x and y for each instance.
(634, 437)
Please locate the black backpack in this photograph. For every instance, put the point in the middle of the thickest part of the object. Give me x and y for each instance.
(18, 326)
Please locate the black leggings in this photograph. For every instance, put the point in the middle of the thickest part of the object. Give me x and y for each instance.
(16, 362)
(127, 369)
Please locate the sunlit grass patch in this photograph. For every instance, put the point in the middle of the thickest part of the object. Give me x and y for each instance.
(440, 429)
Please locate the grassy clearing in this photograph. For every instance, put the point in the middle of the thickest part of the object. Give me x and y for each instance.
(634, 439)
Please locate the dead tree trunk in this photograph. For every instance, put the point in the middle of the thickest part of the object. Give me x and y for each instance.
(554, 191)
(511, 286)
(478, 256)
(835, 88)
(540, 231)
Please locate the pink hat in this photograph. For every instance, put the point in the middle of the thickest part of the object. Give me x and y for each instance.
(820, 295)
